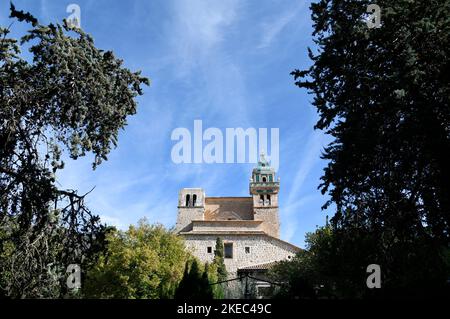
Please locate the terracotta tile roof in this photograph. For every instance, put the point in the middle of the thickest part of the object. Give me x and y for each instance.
(264, 266)
(231, 222)
(228, 208)
(224, 232)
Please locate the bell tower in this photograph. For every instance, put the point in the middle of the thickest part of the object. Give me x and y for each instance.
(191, 206)
(264, 189)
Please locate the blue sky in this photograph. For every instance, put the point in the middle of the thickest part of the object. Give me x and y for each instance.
(224, 62)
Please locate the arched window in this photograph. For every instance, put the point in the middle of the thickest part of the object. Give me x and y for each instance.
(261, 199)
(268, 198)
(188, 200)
(194, 199)
(264, 179)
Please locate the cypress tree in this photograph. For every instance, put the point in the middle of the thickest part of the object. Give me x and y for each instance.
(206, 289)
(219, 261)
(181, 291)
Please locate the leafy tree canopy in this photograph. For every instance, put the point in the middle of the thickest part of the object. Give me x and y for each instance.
(383, 94)
(143, 262)
(70, 96)
(219, 260)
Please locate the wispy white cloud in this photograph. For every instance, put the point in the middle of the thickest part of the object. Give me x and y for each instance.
(224, 62)
(289, 211)
(199, 27)
(270, 30)
(296, 212)
(122, 195)
(199, 34)
(44, 10)
(310, 157)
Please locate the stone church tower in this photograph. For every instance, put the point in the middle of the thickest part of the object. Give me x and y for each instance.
(264, 190)
(191, 206)
(248, 226)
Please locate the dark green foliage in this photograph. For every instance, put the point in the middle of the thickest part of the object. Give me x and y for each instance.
(22, 16)
(309, 270)
(219, 261)
(184, 287)
(71, 96)
(220, 271)
(383, 94)
(334, 266)
(208, 292)
(194, 284)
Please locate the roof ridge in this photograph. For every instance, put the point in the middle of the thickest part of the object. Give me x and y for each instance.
(261, 265)
(240, 197)
(285, 242)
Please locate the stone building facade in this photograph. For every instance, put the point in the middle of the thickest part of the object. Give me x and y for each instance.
(248, 226)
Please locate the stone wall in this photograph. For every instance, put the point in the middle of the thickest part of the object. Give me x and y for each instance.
(271, 224)
(224, 208)
(227, 225)
(263, 249)
(185, 217)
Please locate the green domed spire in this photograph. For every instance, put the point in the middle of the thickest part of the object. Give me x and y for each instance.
(263, 165)
(263, 180)
(262, 160)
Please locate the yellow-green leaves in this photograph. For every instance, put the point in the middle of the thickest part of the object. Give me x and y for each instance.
(146, 261)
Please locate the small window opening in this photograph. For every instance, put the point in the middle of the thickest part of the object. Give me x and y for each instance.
(228, 250)
(188, 200)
